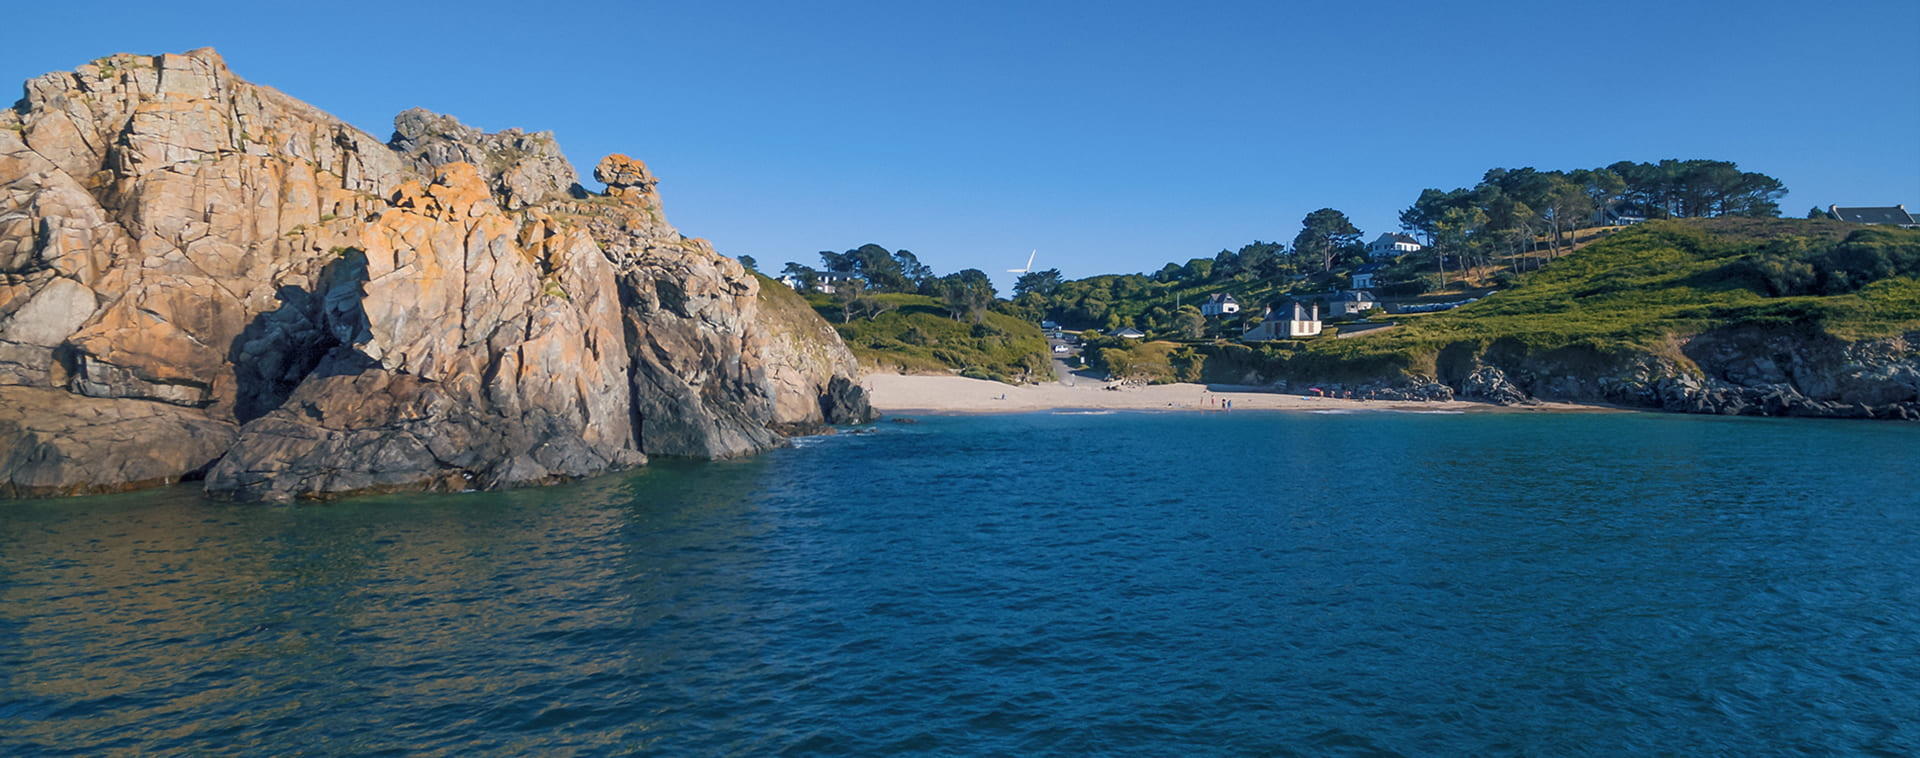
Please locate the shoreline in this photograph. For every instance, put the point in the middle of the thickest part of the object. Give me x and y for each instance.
(924, 393)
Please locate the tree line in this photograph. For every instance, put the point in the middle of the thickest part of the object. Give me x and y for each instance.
(1513, 210)
(871, 269)
(1528, 215)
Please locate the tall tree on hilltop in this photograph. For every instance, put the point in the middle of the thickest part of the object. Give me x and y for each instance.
(1427, 211)
(808, 277)
(1566, 209)
(968, 293)
(1683, 189)
(1227, 263)
(1262, 259)
(1757, 196)
(837, 263)
(1603, 189)
(1042, 282)
(1325, 233)
(876, 265)
(1453, 232)
(916, 273)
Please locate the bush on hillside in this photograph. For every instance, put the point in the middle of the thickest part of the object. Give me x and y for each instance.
(917, 335)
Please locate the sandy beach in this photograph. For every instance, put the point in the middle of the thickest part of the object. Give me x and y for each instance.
(895, 393)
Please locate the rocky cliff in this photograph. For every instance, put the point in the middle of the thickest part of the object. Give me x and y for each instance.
(202, 275)
(803, 348)
(1740, 370)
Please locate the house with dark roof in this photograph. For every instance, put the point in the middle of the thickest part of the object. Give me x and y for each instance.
(1292, 320)
(1617, 217)
(1392, 244)
(1895, 216)
(1363, 277)
(1219, 304)
(1128, 333)
(1353, 303)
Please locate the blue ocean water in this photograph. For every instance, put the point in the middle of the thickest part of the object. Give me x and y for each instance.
(1046, 584)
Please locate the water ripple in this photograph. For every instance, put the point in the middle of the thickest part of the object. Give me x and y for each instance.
(1045, 584)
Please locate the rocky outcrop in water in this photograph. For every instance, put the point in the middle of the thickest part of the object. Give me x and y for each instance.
(1490, 384)
(1743, 371)
(201, 274)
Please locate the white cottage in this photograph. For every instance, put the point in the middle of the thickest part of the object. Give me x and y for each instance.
(1219, 304)
(1392, 244)
(1364, 276)
(1353, 303)
(1291, 321)
(829, 280)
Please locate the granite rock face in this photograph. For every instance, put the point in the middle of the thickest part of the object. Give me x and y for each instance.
(522, 169)
(805, 354)
(185, 255)
(54, 442)
(1741, 370)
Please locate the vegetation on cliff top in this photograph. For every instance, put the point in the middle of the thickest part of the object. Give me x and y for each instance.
(896, 315)
(1638, 291)
(917, 334)
(1475, 238)
(1678, 278)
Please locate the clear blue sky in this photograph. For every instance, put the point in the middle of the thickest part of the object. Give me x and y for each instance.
(1111, 136)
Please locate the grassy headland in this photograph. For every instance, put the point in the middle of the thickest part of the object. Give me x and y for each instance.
(916, 334)
(1638, 292)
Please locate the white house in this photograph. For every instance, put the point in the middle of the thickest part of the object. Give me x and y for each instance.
(1291, 321)
(1219, 304)
(1129, 333)
(829, 279)
(1392, 244)
(1363, 277)
(822, 282)
(1353, 303)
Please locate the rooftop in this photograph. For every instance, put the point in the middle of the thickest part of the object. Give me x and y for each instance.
(1889, 215)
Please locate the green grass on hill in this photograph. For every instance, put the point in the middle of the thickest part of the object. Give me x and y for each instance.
(917, 336)
(1644, 287)
(1641, 291)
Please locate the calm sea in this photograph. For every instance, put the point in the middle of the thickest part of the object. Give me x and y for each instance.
(1048, 584)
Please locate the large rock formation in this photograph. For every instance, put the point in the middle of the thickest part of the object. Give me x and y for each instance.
(1739, 370)
(192, 262)
(804, 352)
